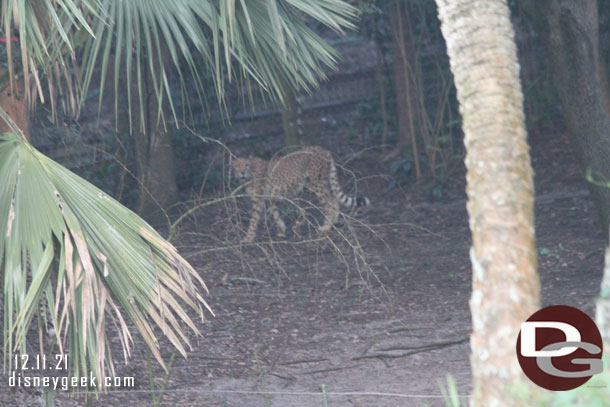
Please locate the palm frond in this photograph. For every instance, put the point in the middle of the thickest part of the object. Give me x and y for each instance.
(260, 40)
(60, 231)
(266, 41)
(47, 32)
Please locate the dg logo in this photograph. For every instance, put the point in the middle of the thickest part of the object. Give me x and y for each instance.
(559, 348)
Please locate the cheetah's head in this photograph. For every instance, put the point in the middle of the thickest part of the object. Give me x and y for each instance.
(241, 168)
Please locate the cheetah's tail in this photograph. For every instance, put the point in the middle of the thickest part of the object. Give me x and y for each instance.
(345, 200)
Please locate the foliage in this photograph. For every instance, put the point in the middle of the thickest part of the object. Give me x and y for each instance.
(450, 394)
(594, 393)
(105, 257)
(541, 103)
(146, 40)
(374, 20)
(369, 118)
(555, 252)
(400, 169)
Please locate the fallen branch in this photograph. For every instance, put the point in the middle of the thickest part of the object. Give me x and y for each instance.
(414, 350)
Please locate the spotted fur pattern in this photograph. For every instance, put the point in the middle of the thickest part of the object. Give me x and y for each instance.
(311, 168)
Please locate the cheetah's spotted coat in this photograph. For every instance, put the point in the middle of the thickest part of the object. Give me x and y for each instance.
(311, 168)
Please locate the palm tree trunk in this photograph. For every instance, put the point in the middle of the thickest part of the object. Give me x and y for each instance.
(505, 285)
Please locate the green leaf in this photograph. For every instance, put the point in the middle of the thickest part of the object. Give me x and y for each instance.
(111, 263)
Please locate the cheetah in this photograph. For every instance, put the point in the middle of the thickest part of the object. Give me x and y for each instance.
(311, 168)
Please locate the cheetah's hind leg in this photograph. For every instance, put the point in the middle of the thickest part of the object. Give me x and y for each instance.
(278, 221)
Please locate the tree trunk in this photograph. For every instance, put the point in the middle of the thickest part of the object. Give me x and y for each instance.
(383, 111)
(13, 102)
(569, 30)
(505, 285)
(380, 76)
(154, 155)
(155, 159)
(290, 117)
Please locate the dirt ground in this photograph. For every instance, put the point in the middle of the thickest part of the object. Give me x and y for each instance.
(297, 324)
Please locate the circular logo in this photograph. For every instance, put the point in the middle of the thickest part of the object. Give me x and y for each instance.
(559, 348)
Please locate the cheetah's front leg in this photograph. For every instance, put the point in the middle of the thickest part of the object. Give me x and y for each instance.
(331, 213)
(258, 206)
(278, 221)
